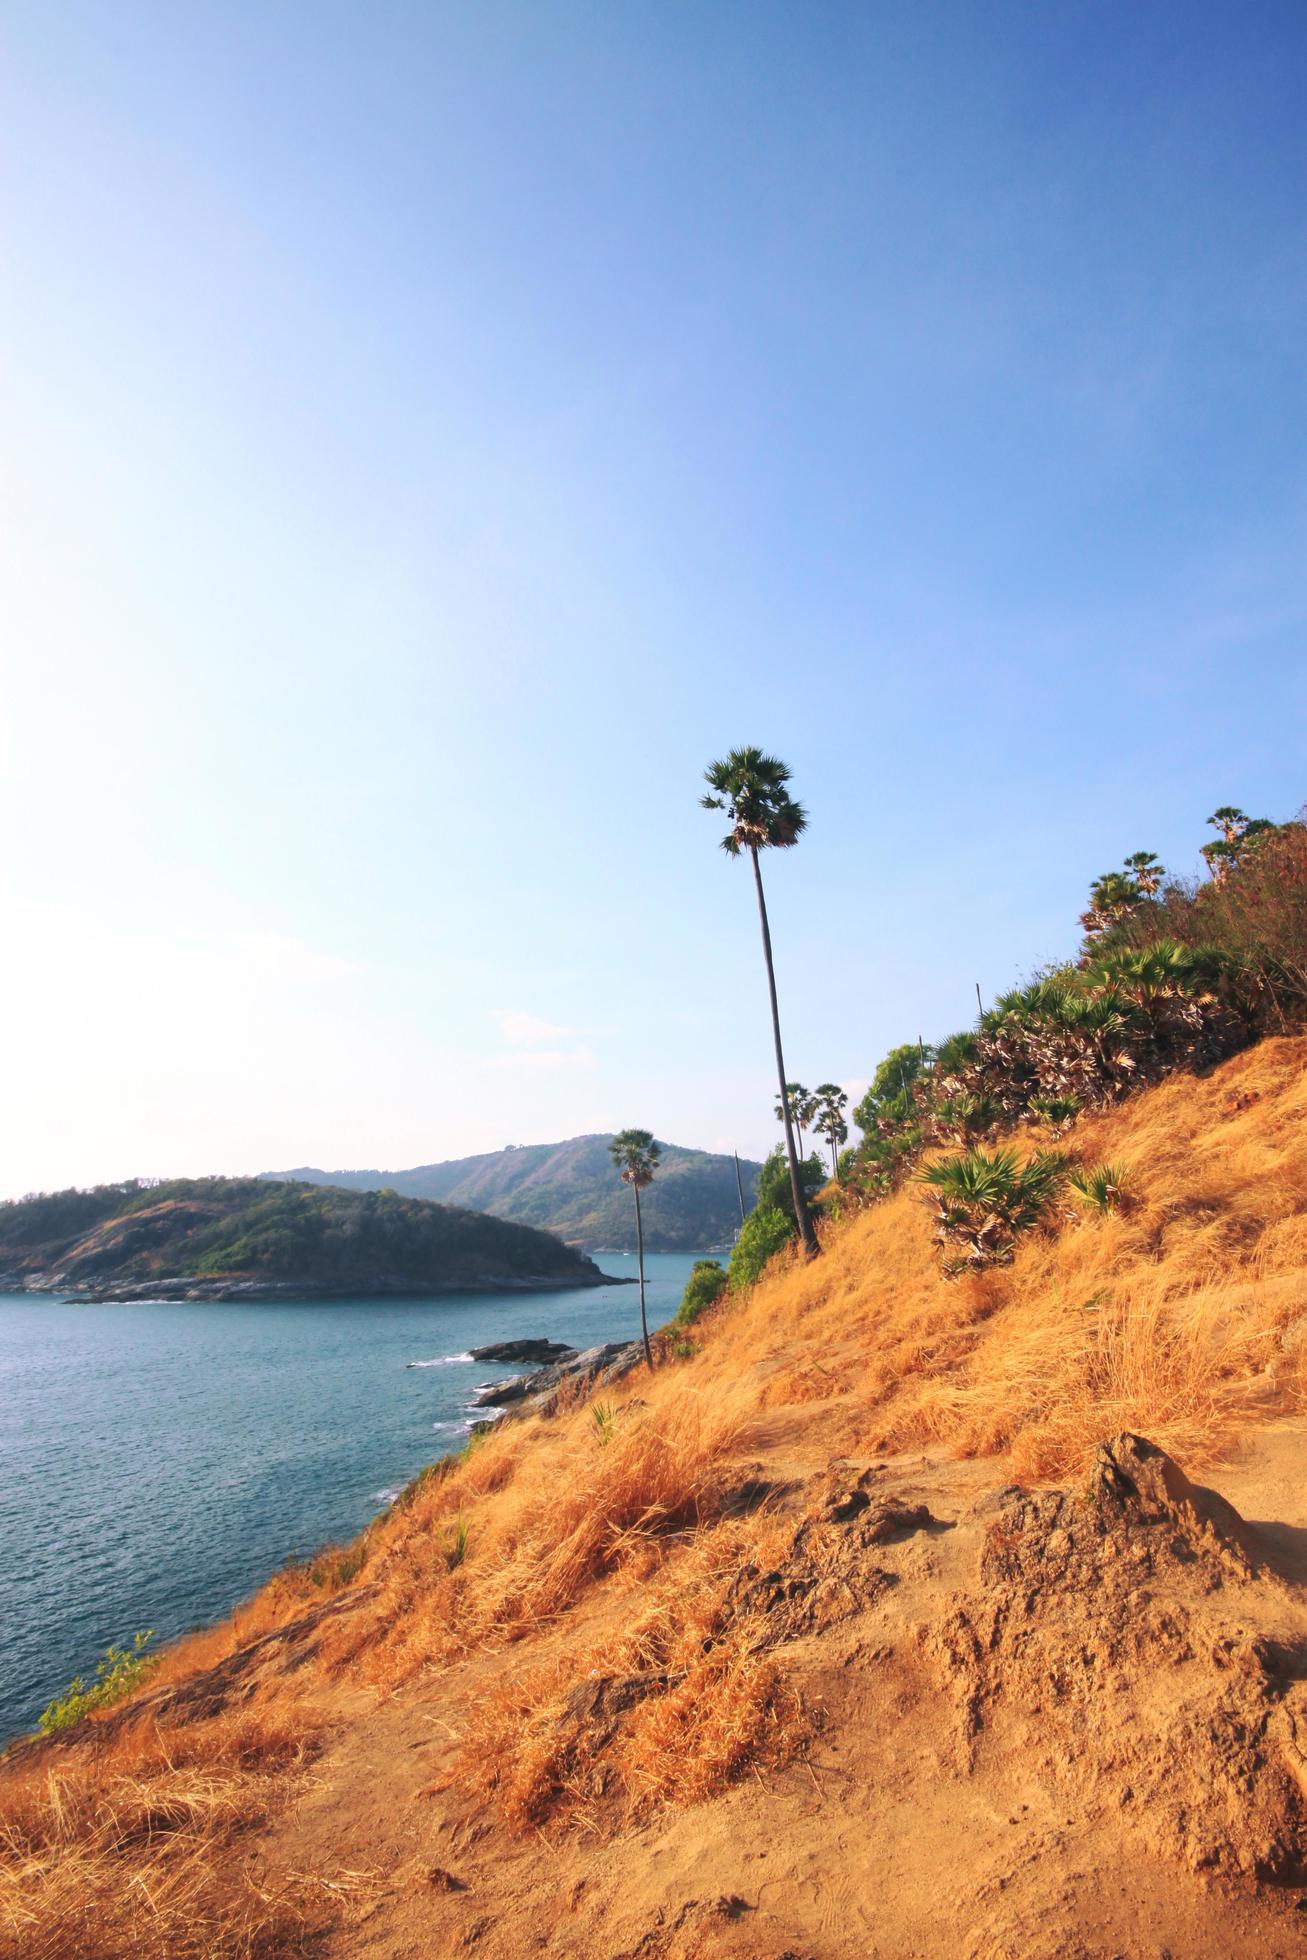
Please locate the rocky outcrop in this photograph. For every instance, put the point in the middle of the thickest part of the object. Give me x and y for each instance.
(537, 1393)
(1144, 1630)
(539, 1353)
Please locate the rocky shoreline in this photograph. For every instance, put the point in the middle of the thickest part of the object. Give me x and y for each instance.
(536, 1392)
(183, 1290)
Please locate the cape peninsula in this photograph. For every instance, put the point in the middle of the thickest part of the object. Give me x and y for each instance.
(219, 1238)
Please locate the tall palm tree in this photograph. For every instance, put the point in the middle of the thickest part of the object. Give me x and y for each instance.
(750, 787)
(831, 1102)
(636, 1156)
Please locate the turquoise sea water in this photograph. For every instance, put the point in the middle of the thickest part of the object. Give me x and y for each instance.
(157, 1462)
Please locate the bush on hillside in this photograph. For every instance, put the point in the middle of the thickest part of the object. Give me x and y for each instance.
(985, 1201)
(762, 1234)
(706, 1284)
(774, 1191)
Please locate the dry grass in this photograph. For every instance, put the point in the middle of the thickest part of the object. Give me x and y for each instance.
(116, 1845)
(664, 1706)
(1184, 1317)
(503, 1544)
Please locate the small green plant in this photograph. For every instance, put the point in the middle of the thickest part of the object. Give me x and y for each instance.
(763, 1233)
(1105, 1187)
(121, 1670)
(985, 1200)
(1058, 1112)
(337, 1567)
(454, 1541)
(683, 1349)
(705, 1286)
(604, 1417)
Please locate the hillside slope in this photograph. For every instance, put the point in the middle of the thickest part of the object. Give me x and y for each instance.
(867, 1625)
(224, 1237)
(571, 1188)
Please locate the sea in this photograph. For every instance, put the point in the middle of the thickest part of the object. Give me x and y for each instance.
(159, 1461)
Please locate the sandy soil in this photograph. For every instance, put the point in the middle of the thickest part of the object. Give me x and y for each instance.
(1039, 1725)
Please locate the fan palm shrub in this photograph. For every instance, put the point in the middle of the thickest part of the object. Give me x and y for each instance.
(985, 1200)
(1104, 1186)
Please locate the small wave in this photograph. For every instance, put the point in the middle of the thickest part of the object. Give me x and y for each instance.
(442, 1361)
(387, 1496)
(447, 1425)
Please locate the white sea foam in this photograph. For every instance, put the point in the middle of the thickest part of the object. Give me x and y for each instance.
(442, 1361)
(387, 1496)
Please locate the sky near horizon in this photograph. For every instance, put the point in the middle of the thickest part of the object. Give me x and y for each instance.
(430, 433)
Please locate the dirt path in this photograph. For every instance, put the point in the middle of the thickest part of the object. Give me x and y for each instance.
(915, 1825)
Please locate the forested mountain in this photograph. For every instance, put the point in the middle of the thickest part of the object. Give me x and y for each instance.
(218, 1237)
(571, 1188)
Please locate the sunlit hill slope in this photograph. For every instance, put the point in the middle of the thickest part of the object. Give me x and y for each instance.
(766, 1654)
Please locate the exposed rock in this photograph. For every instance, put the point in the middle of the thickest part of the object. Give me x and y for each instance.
(537, 1391)
(539, 1352)
(1113, 1625)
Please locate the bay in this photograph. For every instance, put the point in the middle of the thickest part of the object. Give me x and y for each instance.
(159, 1461)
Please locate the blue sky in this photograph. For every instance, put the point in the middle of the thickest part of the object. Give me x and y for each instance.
(429, 433)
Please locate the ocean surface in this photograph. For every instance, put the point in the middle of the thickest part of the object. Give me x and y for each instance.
(157, 1462)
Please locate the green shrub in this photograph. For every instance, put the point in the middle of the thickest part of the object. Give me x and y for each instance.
(763, 1233)
(774, 1191)
(706, 1284)
(121, 1670)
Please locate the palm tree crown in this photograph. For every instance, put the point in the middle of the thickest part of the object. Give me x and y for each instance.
(636, 1155)
(750, 787)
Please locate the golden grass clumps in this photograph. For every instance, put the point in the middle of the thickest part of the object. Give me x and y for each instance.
(115, 1845)
(543, 1512)
(667, 1706)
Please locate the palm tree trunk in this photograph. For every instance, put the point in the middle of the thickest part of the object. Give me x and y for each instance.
(739, 1185)
(832, 1155)
(806, 1233)
(639, 1240)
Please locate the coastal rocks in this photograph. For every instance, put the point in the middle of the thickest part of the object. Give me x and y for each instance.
(537, 1391)
(539, 1353)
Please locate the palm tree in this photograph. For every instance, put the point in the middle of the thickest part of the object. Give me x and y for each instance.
(636, 1156)
(802, 1106)
(750, 787)
(1146, 870)
(831, 1101)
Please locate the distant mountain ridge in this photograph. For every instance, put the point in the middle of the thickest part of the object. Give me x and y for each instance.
(571, 1188)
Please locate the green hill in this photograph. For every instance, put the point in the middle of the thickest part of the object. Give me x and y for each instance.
(241, 1237)
(571, 1188)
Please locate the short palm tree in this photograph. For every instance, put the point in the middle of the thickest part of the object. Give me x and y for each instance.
(1146, 870)
(751, 788)
(802, 1107)
(636, 1155)
(831, 1103)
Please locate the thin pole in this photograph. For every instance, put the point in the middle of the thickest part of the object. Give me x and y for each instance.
(739, 1185)
(980, 1005)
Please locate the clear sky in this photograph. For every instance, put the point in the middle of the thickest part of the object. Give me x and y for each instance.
(429, 433)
